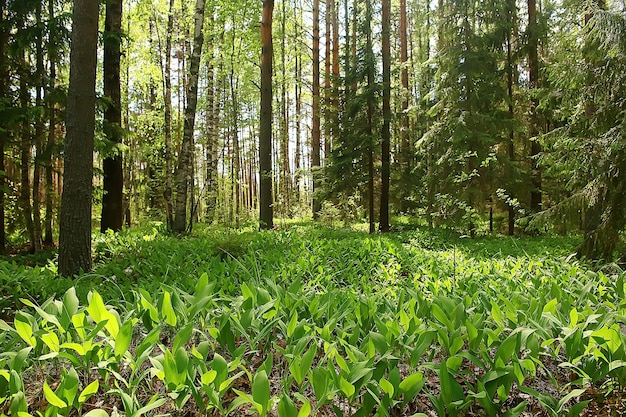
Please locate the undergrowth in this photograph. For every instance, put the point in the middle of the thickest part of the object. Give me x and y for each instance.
(312, 321)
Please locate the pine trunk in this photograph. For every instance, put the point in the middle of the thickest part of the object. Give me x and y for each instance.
(386, 133)
(25, 156)
(75, 219)
(185, 160)
(113, 178)
(370, 112)
(4, 83)
(316, 132)
(167, 111)
(533, 75)
(266, 215)
(51, 140)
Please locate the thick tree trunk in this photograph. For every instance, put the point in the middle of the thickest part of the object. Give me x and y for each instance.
(75, 223)
(386, 133)
(167, 112)
(184, 170)
(266, 214)
(316, 132)
(113, 181)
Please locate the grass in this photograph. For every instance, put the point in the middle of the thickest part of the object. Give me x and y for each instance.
(314, 321)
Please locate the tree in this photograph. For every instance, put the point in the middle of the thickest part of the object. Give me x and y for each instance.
(4, 84)
(266, 215)
(386, 133)
(185, 160)
(533, 75)
(75, 218)
(113, 181)
(316, 128)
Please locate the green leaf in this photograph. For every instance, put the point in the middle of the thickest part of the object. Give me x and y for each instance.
(51, 397)
(96, 413)
(261, 390)
(293, 323)
(25, 331)
(387, 387)
(305, 410)
(286, 407)
(152, 404)
(89, 390)
(123, 339)
(411, 381)
(167, 312)
(346, 387)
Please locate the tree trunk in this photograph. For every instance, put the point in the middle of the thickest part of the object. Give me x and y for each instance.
(533, 75)
(316, 132)
(386, 133)
(4, 84)
(369, 52)
(405, 157)
(266, 215)
(184, 170)
(113, 177)
(211, 147)
(167, 112)
(39, 133)
(75, 222)
(511, 143)
(26, 155)
(48, 163)
(298, 99)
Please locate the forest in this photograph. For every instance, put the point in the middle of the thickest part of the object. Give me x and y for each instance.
(303, 208)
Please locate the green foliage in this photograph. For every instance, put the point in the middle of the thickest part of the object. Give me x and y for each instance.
(307, 319)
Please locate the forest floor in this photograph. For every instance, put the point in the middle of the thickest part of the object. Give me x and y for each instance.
(309, 320)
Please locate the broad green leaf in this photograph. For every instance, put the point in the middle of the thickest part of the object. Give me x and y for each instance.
(305, 410)
(167, 311)
(261, 390)
(89, 390)
(52, 341)
(346, 387)
(286, 407)
(293, 322)
(51, 397)
(387, 387)
(123, 339)
(208, 377)
(25, 331)
(96, 413)
(412, 381)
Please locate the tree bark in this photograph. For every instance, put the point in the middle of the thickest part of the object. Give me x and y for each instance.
(533, 75)
(113, 182)
(26, 154)
(386, 133)
(266, 214)
(51, 139)
(75, 222)
(39, 131)
(316, 132)
(369, 52)
(4, 84)
(184, 170)
(167, 113)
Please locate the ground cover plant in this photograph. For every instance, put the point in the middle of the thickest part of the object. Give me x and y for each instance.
(307, 321)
